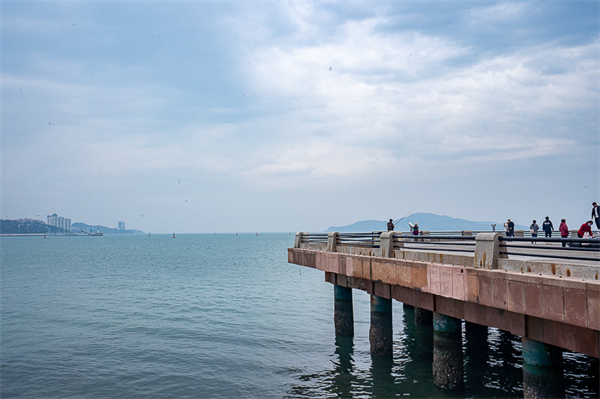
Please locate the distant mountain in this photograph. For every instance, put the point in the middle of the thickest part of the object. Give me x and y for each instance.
(426, 221)
(103, 229)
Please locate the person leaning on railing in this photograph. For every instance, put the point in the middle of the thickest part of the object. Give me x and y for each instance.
(585, 228)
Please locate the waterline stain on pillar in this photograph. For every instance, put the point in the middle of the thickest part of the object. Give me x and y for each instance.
(343, 313)
(447, 352)
(380, 332)
(542, 370)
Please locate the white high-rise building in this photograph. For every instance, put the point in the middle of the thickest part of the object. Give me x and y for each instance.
(121, 225)
(53, 220)
(59, 221)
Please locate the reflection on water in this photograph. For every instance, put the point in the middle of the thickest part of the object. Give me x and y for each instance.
(492, 359)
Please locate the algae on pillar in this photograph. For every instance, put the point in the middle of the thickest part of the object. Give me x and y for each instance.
(343, 313)
(542, 370)
(448, 372)
(380, 332)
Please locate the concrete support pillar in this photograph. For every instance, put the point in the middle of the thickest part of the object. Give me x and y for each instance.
(343, 314)
(542, 370)
(447, 352)
(380, 333)
(423, 317)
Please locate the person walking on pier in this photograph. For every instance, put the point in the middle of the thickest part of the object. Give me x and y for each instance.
(548, 228)
(596, 214)
(534, 228)
(564, 230)
(390, 225)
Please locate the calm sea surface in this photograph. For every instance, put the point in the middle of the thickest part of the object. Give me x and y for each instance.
(210, 316)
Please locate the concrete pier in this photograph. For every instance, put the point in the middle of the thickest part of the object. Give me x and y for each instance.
(542, 370)
(343, 313)
(552, 302)
(380, 332)
(447, 352)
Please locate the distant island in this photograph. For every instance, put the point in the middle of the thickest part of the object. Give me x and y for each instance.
(102, 229)
(426, 221)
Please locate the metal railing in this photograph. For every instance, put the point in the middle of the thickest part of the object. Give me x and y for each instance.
(438, 242)
(369, 240)
(586, 249)
(570, 248)
(314, 238)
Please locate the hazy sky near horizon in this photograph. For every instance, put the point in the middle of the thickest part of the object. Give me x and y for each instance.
(224, 116)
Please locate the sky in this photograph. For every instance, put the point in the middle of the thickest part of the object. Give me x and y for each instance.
(286, 116)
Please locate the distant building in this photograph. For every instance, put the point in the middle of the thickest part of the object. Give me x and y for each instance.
(121, 225)
(53, 220)
(59, 221)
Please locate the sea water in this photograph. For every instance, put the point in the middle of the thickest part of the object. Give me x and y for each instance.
(211, 316)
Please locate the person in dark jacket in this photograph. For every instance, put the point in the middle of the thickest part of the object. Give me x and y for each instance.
(510, 228)
(390, 225)
(596, 214)
(548, 228)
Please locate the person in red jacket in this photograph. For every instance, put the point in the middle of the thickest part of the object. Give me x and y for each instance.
(585, 228)
(564, 230)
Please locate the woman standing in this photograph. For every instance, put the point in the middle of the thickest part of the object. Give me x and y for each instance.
(564, 230)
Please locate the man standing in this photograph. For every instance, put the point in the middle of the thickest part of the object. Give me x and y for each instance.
(596, 214)
(548, 228)
(510, 228)
(390, 225)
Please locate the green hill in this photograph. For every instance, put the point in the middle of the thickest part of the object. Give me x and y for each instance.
(26, 226)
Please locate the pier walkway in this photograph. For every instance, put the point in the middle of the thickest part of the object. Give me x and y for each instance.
(547, 293)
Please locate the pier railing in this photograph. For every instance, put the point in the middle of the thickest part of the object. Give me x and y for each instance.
(436, 242)
(569, 248)
(578, 257)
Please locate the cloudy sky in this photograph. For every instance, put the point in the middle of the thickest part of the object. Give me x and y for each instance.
(224, 116)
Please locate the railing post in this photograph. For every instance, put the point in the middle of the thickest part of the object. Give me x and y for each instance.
(519, 233)
(487, 250)
(298, 239)
(387, 244)
(467, 233)
(332, 239)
